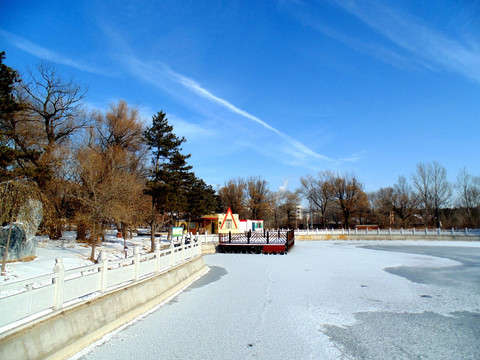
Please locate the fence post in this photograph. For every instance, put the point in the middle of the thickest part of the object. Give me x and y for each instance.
(466, 231)
(136, 254)
(452, 231)
(157, 256)
(426, 231)
(413, 231)
(389, 231)
(59, 283)
(401, 231)
(103, 272)
(172, 253)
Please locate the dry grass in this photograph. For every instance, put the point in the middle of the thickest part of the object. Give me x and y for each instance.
(25, 259)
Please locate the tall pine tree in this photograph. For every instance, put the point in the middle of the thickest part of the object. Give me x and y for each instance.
(169, 174)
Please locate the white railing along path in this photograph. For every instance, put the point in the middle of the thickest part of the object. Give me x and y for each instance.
(413, 231)
(24, 300)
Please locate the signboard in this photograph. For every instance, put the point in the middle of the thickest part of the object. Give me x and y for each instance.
(177, 231)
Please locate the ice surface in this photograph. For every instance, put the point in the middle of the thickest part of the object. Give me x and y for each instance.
(285, 307)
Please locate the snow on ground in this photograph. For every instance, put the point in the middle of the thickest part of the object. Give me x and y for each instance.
(324, 300)
(306, 304)
(74, 254)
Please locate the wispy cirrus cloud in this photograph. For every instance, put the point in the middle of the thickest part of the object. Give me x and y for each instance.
(299, 149)
(155, 74)
(298, 152)
(46, 54)
(417, 38)
(371, 48)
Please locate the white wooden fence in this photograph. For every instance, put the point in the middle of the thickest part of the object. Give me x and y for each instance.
(24, 300)
(386, 232)
(206, 238)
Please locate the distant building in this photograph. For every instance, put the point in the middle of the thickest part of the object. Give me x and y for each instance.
(224, 223)
(299, 212)
(253, 225)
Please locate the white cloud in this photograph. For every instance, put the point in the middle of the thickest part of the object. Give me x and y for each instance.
(45, 54)
(190, 130)
(298, 149)
(354, 157)
(416, 37)
(161, 76)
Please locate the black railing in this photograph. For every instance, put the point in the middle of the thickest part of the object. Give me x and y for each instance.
(257, 237)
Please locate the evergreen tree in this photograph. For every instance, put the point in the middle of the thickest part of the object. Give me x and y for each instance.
(161, 140)
(170, 174)
(14, 159)
(201, 198)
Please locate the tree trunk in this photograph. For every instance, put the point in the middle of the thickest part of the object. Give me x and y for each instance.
(152, 235)
(55, 231)
(93, 241)
(102, 231)
(81, 230)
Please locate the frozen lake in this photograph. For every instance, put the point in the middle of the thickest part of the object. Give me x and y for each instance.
(324, 300)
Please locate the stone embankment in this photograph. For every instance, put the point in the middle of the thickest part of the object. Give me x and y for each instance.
(68, 331)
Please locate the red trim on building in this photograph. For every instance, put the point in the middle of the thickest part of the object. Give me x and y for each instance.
(229, 211)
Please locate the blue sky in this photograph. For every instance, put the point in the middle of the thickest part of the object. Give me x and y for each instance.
(276, 88)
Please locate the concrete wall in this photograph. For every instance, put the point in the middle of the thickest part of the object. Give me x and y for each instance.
(64, 333)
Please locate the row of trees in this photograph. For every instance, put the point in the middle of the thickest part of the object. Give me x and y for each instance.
(251, 198)
(339, 200)
(93, 168)
(427, 200)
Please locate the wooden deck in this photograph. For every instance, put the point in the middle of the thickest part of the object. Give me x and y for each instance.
(266, 242)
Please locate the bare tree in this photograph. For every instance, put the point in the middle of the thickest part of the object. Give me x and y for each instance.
(319, 192)
(54, 111)
(289, 208)
(468, 194)
(257, 197)
(110, 173)
(276, 200)
(349, 195)
(434, 191)
(93, 192)
(404, 201)
(422, 181)
(119, 133)
(381, 204)
(232, 195)
(441, 190)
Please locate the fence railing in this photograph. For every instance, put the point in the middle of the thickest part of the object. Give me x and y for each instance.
(24, 300)
(205, 238)
(412, 231)
(257, 237)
